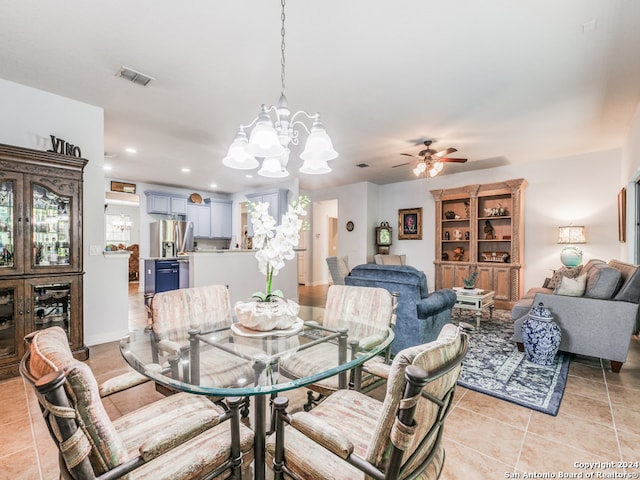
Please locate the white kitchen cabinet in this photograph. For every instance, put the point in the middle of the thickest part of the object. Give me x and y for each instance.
(220, 217)
(200, 215)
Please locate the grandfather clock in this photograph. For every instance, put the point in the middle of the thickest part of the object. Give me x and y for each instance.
(383, 238)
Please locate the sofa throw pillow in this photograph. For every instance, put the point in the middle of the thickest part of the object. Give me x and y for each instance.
(558, 275)
(572, 287)
(602, 281)
(630, 291)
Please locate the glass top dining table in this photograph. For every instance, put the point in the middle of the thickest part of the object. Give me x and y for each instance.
(233, 361)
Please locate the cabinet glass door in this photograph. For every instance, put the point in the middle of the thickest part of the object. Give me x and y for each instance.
(51, 220)
(52, 306)
(7, 217)
(11, 329)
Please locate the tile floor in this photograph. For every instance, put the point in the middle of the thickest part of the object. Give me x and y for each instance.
(485, 438)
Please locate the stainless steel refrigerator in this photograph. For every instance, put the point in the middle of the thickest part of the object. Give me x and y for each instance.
(171, 237)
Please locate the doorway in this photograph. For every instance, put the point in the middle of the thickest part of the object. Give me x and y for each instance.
(332, 247)
(325, 239)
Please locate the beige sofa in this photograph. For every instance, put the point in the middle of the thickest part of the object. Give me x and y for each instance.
(600, 322)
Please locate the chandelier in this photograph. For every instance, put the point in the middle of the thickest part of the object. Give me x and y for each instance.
(274, 129)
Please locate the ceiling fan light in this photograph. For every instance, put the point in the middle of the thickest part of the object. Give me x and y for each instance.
(435, 169)
(422, 166)
(416, 172)
(315, 167)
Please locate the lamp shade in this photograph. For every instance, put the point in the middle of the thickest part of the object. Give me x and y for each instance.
(435, 169)
(315, 167)
(237, 156)
(264, 141)
(318, 146)
(570, 235)
(272, 168)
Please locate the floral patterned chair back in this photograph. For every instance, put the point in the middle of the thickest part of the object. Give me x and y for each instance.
(360, 309)
(202, 308)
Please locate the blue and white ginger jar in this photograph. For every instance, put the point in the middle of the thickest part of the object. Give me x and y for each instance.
(541, 336)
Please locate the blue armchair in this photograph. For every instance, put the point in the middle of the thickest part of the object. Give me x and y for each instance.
(420, 315)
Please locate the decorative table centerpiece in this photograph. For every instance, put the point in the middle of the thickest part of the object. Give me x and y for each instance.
(269, 310)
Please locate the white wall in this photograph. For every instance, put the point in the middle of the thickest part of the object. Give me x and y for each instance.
(27, 118)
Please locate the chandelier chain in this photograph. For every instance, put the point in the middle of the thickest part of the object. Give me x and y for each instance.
(282, 47)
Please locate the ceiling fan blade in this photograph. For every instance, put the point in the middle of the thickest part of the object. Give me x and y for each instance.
(454, 160)
(403, 164)
(447, 151)
(411, 155)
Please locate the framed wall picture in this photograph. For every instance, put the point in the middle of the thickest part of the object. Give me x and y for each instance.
(622, 215)
(123, 187)
(410, 224)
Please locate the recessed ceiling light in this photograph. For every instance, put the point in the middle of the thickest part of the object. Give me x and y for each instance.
(185, 169)
(213, 185)
(248, 176)
(131, 150)
(108, 167)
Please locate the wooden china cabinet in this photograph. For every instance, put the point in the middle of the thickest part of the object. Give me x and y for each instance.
(480, 228)
(40, 250)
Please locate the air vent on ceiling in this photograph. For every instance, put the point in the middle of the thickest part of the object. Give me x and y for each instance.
(362, 165)
(133, 76)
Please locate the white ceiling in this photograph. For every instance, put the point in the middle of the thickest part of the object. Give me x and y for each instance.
(502, 81)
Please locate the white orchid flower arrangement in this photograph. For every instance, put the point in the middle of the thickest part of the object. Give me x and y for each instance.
(275, 244)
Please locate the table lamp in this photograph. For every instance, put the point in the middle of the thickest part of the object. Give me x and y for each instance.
(570, 235)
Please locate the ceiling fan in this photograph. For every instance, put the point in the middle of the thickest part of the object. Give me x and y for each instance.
(430, 161)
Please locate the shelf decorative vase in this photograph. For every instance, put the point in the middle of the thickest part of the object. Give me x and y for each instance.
(541, 336)
(276, 314)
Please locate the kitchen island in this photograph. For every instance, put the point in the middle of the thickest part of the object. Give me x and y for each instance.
(238, 269)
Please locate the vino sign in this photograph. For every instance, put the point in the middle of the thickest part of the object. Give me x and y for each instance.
(63, 147)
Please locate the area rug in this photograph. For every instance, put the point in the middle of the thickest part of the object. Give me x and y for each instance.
(495, 367)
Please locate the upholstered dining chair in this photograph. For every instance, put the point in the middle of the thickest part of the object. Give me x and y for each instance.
(207, 308)
(181, 436)
(353, 436)
(338, 268)
(362, 310)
